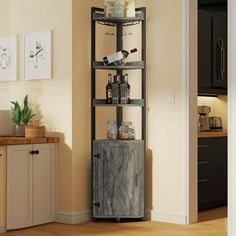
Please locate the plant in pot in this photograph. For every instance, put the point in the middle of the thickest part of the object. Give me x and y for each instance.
(21, 118)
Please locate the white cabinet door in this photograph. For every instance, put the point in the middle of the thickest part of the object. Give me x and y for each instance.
(2, 189)
(19, 186)
(30, 185)
(44, 179)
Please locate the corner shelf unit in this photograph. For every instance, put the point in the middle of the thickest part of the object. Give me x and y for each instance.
(118, 166)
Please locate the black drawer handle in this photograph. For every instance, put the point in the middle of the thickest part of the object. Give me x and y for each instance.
(34, 152)
(203, 146)
(202, 162)
(1, 155)
(202, 180)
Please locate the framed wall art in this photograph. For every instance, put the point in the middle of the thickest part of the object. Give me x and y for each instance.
(8, 58)
(38, 55)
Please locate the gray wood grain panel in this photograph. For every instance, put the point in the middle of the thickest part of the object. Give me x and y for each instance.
(118, 177)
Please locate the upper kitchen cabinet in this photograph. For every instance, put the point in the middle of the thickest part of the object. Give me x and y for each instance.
(212, 53)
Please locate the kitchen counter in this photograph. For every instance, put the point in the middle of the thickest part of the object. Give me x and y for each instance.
(212, 134)
(22, 140)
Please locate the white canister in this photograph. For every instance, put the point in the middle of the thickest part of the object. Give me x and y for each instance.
(109, 8)
(119, 8)
(129, 8)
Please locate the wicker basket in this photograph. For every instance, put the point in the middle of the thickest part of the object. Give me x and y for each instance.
(34, 131)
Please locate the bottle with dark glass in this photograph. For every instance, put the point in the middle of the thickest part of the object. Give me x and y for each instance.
(109, 89)
(115, 90)
(118, 57)
(128, 88)
(123, 91)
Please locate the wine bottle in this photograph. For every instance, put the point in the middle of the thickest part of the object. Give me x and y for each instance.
(123, 91)
(115, 91)
(109, 89)
(128, 88)
(118, 57)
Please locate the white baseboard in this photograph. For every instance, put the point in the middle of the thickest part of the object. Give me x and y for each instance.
(173, 219)
(72, 218)
(3, 230)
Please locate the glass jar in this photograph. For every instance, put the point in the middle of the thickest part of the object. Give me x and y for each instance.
(127, 131)
(109, 8)
(119, 8)
(112, 130)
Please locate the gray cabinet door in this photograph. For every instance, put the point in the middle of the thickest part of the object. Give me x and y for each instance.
(118, 179)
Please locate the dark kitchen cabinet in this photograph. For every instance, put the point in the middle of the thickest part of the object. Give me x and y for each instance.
(212, 53)
(212, 172)
(219, 52)
(118, 179)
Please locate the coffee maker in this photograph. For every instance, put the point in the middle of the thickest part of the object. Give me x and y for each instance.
(203, 118)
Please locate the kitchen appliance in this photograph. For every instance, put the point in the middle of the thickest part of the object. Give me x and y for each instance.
(203, 118)
(6, 124)
(215, 123)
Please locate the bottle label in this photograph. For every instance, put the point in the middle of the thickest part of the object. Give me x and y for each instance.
(115, 93)
(109, 93)
(115, 57)
(123, 93)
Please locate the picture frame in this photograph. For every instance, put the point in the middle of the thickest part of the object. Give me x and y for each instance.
(8, 58)
(38, 55)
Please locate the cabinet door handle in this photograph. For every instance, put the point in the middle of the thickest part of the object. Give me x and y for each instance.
(97, 204)
(220, 43)
(36, 152)
(97, 155)
(1, 155)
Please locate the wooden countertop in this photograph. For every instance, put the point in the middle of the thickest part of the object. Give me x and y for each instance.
(23, 140)
(212, 134)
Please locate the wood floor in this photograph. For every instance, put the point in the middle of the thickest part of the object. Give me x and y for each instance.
(212, 223)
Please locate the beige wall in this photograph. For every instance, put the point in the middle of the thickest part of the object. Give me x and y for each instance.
(166, 121)
(52, 98)
(70, 113)
(81, 181)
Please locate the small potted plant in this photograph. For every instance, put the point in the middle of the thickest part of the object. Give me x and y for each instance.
(21, 118)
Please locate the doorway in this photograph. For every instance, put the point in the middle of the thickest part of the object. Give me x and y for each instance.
(212, 107)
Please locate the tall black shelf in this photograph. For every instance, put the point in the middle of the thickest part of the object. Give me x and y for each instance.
(118, 193)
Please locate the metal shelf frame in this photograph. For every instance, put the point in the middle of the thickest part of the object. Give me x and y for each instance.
(97, 17)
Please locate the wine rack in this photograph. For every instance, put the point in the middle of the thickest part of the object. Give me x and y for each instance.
(118, 166)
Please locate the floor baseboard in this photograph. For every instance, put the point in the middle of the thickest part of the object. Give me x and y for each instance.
(72, 218)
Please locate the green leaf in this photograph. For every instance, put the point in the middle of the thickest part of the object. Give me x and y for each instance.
(21, 116)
